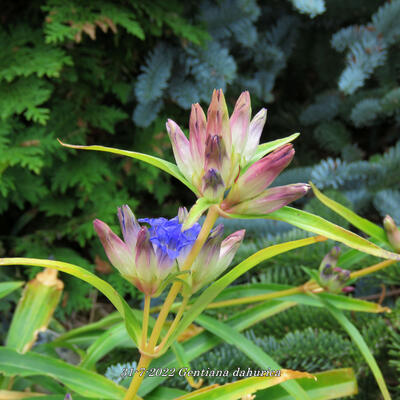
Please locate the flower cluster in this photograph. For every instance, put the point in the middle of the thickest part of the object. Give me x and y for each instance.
(147, 257)
(220, 158)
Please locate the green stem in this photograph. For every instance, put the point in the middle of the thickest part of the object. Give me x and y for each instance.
(146, 313)
(254, 299)
(140, 373)
(174, 324)
(203, 235)
(372, 268)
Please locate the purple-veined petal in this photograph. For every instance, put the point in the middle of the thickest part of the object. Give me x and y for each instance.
(260, 175)
(229, 247)
(212, 185)
(197, 136)
(181, 149)
(253, 138)
(129, 226)
(239, 122)
(207, 259)
(218, 118)
(146, 263)
(182, 214)
(270, 200)
(117, 251)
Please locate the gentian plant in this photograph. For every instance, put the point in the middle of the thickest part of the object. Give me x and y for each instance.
(230, 173)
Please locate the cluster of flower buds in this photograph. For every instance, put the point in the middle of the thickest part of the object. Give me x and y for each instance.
(331, 277)
(147, 257)
(392, 232)
(219, 157)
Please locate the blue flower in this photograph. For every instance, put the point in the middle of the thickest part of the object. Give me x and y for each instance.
(169, 240)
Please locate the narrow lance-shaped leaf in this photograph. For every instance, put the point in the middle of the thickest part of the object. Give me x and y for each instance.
(84, 382)
(164, 165)
(313, 223)
(238, 292)
(8, 287)
(266, 148)
(363, 224)
(241, 388)
(133, 325)
(205, 341)
(333, 384)
(212, 291)
(114, 337)
(254, 352)
(360, 343)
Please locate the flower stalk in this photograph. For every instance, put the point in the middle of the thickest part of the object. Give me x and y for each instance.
(209, 222)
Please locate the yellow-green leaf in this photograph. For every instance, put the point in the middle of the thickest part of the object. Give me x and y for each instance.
(363, 224)
(238, 389)
(164, 165)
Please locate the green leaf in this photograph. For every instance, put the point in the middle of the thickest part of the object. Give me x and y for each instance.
(313, 223)
(212, 291)
(165, 393)
(266, 148)
(84, 382)
(363, 224)
(133, 325)
(238, 389)
(114, 337)
(360, 343)
(254, 352)
(164, 165)
(8, 287)
(205, 341)
(331, 384)
(338, 300)
(202, 204)
(106, 322)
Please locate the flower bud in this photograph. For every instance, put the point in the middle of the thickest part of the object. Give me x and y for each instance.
(331, 277)
(260, 175)
(214, 257)
(392, 232)
(268, 201)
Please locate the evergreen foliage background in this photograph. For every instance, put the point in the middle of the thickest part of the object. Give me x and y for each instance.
(111, 73)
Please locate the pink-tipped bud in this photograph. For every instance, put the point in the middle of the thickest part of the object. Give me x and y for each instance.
(181, 149)
(240, 121)
(214, 257)
(218, 118)
(268, 201)
(260, 175)
(116, 250)
(129, 226)
(253, 138)
(392, 232)
(197, 135)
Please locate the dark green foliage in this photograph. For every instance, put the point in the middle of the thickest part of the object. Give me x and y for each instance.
(66, 71)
